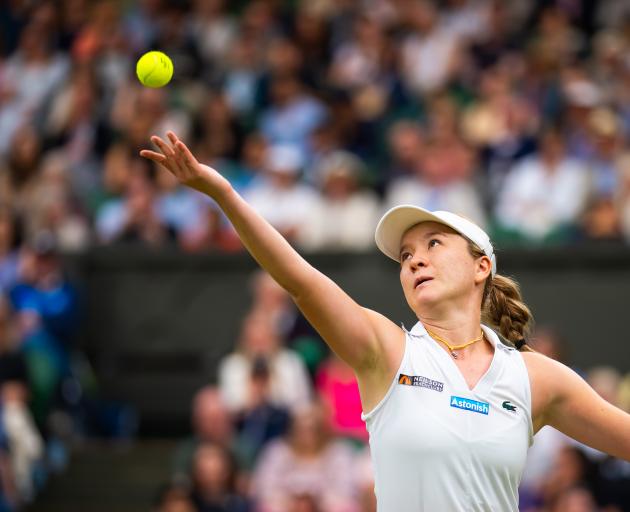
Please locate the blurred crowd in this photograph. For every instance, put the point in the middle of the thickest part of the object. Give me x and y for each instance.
(281, 431)
(322, 113)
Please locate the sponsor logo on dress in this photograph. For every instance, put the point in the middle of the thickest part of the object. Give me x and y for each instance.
(470, 405)
(507, 405)
(419, 380)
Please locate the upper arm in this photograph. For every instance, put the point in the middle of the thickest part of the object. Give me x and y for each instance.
(357, 335)
(569, 404)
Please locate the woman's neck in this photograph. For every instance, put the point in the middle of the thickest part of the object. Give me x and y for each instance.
(457, 325)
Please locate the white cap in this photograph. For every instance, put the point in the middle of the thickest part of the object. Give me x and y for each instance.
(399, 219)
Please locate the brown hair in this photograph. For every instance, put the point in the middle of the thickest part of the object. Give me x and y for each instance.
(502, 307)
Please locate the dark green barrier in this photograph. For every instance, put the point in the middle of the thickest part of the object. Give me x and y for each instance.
(157, 323)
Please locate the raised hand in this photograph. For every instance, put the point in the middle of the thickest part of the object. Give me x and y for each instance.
(178, 159)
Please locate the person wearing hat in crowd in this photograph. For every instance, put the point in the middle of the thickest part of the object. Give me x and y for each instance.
(452, 404)
(280, 197)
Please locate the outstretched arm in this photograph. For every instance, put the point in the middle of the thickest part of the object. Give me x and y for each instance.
(566, 402)
(353, 332)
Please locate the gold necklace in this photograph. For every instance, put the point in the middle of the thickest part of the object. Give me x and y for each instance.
(452, 348)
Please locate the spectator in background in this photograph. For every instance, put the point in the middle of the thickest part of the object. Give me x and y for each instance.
(406, 144)
(622, 196)
(548, 442)
(214, 481)
(259, 338)
(29, 77)
(271, 300)
(440, 181)
(571, 469)
(343, 216)
(337, 388)
(260, 420)
(364, 59)
(429, 54)
(54, 207)
(188, 213)
(307, 462)
(281, 198)
(174, 498)
(575, 499)
(543, 197)
(47, 310)
(364, 474)
(76, 126)
(24, 441)
(500, 122)
(214, 30)
(10, 238)
(22, 168)
(292, 115)
(134, 218)
(211, 423)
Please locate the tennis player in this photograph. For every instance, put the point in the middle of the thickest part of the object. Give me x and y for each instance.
(450, 408)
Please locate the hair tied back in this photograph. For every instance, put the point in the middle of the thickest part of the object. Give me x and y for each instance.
(520, 343)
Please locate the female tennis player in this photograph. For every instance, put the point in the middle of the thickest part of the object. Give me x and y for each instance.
(450, 409)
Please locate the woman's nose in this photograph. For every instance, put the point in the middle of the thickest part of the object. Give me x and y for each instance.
(418, 261)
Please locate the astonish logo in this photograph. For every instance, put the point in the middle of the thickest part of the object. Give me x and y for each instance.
(470, 405)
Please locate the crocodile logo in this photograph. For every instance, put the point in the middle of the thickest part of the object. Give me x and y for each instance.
(507, 405)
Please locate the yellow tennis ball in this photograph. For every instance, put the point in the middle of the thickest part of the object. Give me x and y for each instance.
(154, 69)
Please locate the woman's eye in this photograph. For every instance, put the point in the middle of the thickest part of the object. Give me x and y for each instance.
(405, 256)
(431, 244)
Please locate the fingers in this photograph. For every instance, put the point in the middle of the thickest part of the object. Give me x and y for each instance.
(185, 152)
(152, 155)
(172, 137)
(164, 147)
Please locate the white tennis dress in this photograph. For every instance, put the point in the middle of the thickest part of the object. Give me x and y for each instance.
(438, 446)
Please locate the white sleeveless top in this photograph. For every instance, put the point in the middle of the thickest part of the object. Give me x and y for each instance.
(438, 446)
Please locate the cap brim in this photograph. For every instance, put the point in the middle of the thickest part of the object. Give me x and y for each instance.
(396, 222)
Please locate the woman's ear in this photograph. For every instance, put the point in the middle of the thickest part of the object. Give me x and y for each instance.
(484, 268)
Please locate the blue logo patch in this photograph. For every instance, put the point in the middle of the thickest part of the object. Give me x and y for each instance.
(470, 405)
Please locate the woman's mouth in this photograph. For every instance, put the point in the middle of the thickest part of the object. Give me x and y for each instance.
(419, 281)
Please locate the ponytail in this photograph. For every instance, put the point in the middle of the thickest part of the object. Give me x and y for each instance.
(502, 307)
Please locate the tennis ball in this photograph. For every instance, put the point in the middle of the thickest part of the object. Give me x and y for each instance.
(154, 69)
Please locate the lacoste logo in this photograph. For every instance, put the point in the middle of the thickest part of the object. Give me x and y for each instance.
(507, 405)
(420, 381)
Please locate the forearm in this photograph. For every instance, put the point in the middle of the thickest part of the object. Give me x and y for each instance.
(268, 247)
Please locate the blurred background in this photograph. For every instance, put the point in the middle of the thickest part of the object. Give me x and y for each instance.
(146, 364)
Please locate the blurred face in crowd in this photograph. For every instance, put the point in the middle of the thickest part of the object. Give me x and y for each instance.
(405, 141)
(436, 267)
(259, 336)
(547, 342)
(268, 294)
(307, 434)
(116, 169)
(211, 419)
(303, 503)
(284, 89)
(552, 147)
(568, 469)
(339, 183)
(284, 57)
(140, 194)
(25, 154)
(577, 499)
(6, 229)
(254, 151)
(212, 470)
